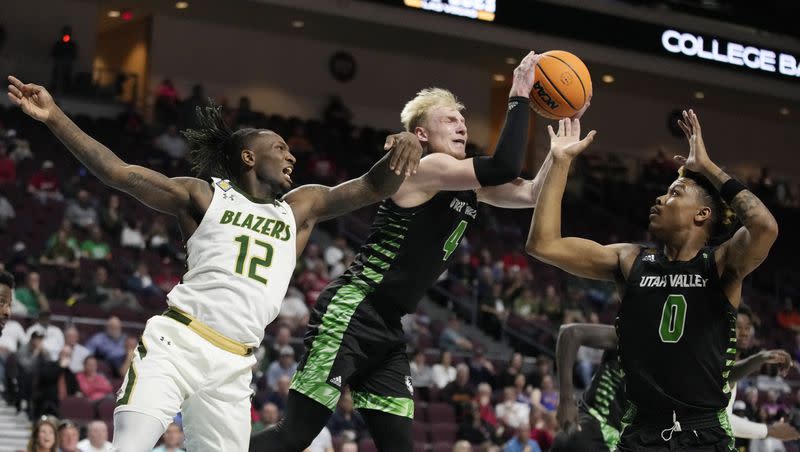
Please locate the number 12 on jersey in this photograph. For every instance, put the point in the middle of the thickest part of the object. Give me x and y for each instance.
(452, 242)
(673, 319)
(255, 261)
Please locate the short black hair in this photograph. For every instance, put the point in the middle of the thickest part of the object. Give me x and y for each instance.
(723, 219)
(745, 310)
(6, 279)
(214, 145)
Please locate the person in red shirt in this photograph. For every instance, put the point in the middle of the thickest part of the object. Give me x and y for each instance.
(45, 185)
(788, 318)
(8, 169)
(93, 385)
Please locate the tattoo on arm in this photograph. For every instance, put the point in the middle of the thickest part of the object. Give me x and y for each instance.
(747, 206)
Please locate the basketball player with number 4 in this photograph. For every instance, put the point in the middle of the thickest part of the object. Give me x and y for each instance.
(677, 322)
(355, 337)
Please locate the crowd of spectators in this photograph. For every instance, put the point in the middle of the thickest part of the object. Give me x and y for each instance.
(94, 252)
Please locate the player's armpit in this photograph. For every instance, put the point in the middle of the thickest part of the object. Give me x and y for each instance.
(584, 258)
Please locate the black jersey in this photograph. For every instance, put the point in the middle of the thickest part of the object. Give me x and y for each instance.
(677, 335)
(409, 248)
(604, 399)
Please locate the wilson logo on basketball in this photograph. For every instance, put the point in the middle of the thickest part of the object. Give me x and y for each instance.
(544, 96)
(566, 78)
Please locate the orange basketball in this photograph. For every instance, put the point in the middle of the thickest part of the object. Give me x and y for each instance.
(562, 85)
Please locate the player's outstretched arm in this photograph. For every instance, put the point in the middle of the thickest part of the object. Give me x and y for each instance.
(170, 196)
(578, 256)
(753, 363)
(750, 245)
(570, 339)
(315, 203)
(521, 193)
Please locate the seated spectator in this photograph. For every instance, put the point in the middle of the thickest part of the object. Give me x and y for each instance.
(53, 337)
(141, 283)
(522, 389)
(282, 339)
(551, 305)
(166, 278)
(460, 392)
(21, 150)
(285, 366)
(588, 360)
(69, 234)
(544, 367)
(100, 293)
(8, 168)
(60, 253)
(476, 430)
(774, 408)
(31, 358)
(31, 295)
(463, 271)
(484, 405)
(294, 312)
(509, 374)
(111, 219)
(68, 436)
(131, 235)
(268, 416)
(510, 412)
(788, 318)
(109, 345)
(481, 370)
(172, 143)
(66, 383)
(515, 258)
(443, 372)
(543, 428)
(94, 386)
(451, 339)
(322, 443)
(421, 374)
(82, 211)
(522, 442)
(279, 397)
(44, 185)
(346, 423)
(7, 213)
(43, 437)
(545, 397)
(173, 439)
(131, 343)
(527, 305)
(96, 438)
(96, 247)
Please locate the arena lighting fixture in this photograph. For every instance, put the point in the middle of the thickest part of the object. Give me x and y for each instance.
(298, 24)
(607, 78)
(181, 5)
(699, 95)
(499, 78)
(784, 111)
(113, 13)
(511, 60)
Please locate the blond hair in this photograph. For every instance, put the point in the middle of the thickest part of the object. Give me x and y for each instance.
(417, 108)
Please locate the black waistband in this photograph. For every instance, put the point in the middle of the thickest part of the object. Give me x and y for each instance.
(689, 420)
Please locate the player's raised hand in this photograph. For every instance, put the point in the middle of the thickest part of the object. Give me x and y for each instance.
(406, 151)
(567, 142)
(783, 431)
(34, 100)
(583, 109)
(524, 75)
(698, 158)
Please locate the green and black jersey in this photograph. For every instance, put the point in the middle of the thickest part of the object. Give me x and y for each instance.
(408, 249)
(677, 335)
(604, 399)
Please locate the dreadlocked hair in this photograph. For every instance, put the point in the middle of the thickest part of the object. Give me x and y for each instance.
(723, 218)
(214, 145)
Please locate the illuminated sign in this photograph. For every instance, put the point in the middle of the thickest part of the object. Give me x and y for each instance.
(473, 9)
(729, 52)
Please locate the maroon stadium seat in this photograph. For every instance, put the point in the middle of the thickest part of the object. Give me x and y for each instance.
(79, 409)
(105, 409)
(420, 413)
(441, 412)
(444, 432)
(420, 447)
(443, 446)
(420, 432)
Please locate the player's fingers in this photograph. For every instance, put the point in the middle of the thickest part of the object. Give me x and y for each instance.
(567, 127)
(561, 127)
(14, 99)
(680, 159)
(550, 131)
(686, 130)
(590, 137)
(389, 143)
(13, 90)
(576, 127)
(695, 122)
(15, 81)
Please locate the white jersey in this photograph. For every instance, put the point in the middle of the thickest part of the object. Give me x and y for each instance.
(240, 262)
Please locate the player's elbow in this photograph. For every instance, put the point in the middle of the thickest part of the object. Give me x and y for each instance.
(537, 247)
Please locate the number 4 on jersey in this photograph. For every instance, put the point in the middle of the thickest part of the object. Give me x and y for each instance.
(452, 242)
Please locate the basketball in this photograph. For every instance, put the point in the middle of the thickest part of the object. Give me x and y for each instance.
(562, 85)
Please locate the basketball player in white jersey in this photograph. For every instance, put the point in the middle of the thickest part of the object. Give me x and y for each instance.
(243, 236)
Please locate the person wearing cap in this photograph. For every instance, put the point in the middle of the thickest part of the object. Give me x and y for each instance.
(53, 337)
(45, 185)
(284, 366)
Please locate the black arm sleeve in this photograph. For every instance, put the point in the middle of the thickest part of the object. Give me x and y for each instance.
(506, 163)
